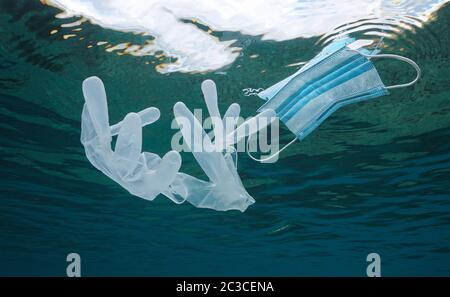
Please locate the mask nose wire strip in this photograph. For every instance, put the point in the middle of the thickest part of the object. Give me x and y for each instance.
(401, 58)
(271, 156)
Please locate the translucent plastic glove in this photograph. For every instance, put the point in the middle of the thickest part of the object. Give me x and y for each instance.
(224, 191)
(142, 174)
(145, 174)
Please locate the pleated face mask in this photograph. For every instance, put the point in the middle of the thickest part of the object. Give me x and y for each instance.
(345, 76)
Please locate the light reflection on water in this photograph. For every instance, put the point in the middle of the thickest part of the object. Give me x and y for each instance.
(184, 31)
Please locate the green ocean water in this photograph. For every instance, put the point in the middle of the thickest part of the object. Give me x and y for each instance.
(375, 177)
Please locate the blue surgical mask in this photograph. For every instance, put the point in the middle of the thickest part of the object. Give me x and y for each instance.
(344, 76)
(336, 45)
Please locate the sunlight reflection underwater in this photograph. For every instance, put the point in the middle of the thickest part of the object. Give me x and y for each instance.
(181, 33)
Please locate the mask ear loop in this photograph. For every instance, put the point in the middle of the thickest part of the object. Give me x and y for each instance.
(271, 156)
(250, 91)
(401, 58)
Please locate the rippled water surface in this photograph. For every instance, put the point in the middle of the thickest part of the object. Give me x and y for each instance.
(375, 177)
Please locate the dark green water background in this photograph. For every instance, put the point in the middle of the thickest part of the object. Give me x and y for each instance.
(375, 177)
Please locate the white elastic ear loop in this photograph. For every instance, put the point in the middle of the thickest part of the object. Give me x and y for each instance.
(401, 58)
(271, 156)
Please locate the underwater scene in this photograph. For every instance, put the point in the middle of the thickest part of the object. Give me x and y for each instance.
(372, 178)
